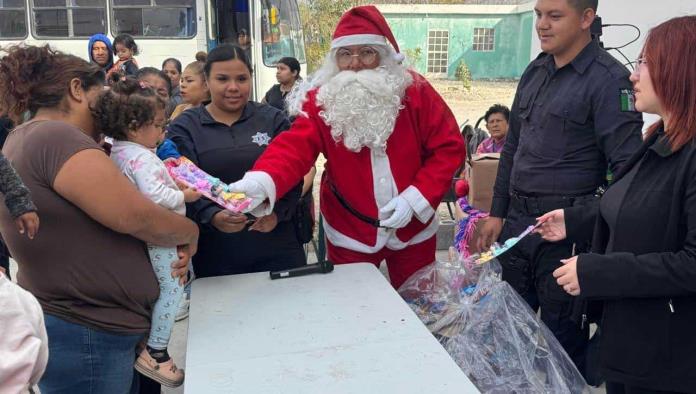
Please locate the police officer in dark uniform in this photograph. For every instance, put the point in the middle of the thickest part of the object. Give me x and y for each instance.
(224, 138)
(572, 120)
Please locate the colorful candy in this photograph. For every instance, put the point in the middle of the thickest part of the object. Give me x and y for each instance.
(186, 172)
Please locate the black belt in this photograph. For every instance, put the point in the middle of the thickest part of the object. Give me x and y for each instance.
(369, 220)
(539, 205)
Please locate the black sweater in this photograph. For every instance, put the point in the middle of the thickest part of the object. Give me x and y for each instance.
(647, 280)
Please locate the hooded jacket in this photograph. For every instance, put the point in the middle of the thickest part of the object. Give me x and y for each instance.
(105, 40)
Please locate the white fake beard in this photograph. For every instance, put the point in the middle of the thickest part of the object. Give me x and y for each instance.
(361, 107)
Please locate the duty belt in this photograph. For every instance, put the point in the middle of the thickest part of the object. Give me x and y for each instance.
(539, 205)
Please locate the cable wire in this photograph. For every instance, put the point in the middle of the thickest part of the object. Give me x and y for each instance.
(624, 25)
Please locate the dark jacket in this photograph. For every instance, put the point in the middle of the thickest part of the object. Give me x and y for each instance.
(275, 97)
(648, 280)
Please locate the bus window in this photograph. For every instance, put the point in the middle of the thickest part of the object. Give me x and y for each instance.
(68, 18)
(13, 19)
(281, 31)
(154, 18)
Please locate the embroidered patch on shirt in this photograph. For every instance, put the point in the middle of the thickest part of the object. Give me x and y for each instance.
(628, 100)
(260, 138)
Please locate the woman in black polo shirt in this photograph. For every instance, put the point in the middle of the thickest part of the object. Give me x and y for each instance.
(224, 138)
(287, 74)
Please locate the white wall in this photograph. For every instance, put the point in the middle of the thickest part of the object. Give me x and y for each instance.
(645, 14)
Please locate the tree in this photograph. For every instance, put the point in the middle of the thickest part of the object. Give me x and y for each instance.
(319, 18)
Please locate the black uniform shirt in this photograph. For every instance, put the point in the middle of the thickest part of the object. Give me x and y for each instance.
(565, 125)
(227, 152)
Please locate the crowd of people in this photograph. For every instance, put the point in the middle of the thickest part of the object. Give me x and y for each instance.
(108, 242)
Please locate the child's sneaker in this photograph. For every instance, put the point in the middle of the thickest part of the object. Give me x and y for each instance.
(166, 373)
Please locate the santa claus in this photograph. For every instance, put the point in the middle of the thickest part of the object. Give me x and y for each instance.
(391, 146)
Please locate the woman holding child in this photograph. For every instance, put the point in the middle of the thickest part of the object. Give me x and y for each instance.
(88, 265)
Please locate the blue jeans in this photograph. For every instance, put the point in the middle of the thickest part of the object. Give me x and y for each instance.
(164, 311)
(84, 360)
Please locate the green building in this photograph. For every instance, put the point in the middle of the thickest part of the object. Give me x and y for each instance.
(493, 39)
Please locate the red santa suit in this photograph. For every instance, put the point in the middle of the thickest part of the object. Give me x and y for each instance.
(422, 154)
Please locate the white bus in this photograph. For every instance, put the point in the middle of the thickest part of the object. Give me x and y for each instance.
(161, 28)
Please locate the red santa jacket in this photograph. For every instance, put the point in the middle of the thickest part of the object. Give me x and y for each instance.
(422, 155)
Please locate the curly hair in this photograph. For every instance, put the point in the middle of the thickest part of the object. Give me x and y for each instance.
(34, 77)
(127, 106)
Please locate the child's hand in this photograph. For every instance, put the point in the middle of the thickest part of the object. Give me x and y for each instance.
(29, 223)
(191, 195)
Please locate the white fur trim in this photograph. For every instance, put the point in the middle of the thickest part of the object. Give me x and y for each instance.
(385, 238)
(268, 185)
(358, 39)
(420, 205)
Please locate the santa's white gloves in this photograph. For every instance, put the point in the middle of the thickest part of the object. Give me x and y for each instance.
(257, 189)
(401, 213)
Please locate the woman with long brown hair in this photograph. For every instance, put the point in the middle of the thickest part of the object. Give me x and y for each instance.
(643, 265)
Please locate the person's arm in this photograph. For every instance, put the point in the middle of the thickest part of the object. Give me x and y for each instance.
(501, 190)
(658, 274)
(17, 196)
(285, 206)
(149, 179)
(493, 225)
(309, 180)
(289, 156)
(618, 132)
(92, 182)
(443, 152)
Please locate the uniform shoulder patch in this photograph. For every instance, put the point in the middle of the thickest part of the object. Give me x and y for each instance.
(628, 100)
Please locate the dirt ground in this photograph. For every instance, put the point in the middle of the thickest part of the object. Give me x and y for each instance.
(471, 105)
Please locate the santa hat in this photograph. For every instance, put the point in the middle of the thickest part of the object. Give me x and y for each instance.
(364, 25)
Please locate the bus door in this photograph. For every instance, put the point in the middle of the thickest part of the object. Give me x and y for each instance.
(229, 22)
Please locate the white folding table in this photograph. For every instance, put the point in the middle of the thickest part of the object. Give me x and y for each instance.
(343, 332)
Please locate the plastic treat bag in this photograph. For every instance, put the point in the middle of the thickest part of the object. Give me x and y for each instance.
(185, 171)
(489, 330)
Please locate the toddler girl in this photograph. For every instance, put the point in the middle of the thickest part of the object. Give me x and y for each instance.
(133, 115)
(125, 49)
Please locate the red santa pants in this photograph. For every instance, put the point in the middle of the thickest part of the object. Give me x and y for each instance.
(400, 263)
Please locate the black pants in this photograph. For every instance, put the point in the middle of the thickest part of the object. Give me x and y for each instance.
(528, 268)
(620, 388)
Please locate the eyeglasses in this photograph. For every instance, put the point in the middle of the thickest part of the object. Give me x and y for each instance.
(640, 62)
(366, 55)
